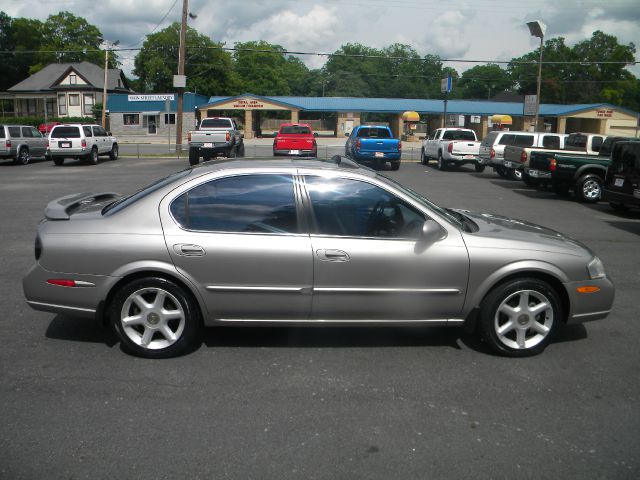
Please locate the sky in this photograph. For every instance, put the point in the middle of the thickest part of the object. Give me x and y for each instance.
(453, 29)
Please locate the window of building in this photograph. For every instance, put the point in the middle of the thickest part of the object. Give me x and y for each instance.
(62, 104)
(352, 208)
(239, 204)
(131, 118)
(73, 79)
(74, 99)
(169, 118)
(88, 103)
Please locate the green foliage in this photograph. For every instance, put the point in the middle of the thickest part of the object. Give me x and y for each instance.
(208, 68)
(35, 121)
(483, 81)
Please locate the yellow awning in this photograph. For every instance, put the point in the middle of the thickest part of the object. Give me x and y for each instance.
(411, 117)
(502, 119)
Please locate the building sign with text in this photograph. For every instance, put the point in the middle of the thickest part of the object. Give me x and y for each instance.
(247, 104)
(150, 98)
(604, 113)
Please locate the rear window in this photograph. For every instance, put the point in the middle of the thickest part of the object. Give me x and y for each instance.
(551, 141)
(490, 139)
(295, 130)
(625, 157)
(517, 140)
(14, 132)
(459, 135)
(1, 132)
(215, 123)
(373, 133)
(65, 132)
(576, 140)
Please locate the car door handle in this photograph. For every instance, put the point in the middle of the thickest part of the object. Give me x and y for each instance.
(188, 250)
(332, 255)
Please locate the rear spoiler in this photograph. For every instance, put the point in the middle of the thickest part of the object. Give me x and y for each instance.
(62, 208)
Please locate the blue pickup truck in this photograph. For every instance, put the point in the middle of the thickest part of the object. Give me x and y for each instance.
(374, 144)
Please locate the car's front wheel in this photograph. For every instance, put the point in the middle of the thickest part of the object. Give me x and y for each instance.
(519, 318)
(588, 188)
(423, 158)
(113, 154)
(155, 318)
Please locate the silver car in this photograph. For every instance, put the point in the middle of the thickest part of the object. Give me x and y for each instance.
(304, 242)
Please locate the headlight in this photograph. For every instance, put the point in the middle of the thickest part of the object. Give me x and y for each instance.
(596, 268)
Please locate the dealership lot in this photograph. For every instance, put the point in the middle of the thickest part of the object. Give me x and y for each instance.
(311, 403)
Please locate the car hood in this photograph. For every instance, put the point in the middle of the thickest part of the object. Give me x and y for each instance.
(521, 234)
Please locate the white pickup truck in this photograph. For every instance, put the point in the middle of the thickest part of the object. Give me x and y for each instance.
(215, 136)
(451, 146)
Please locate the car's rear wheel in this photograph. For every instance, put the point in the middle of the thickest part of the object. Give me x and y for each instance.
(500, 170)
(619, 207)
(479, 167)
(194, 158)
(532, 182)
(24, 157)
(514, 174)
(58, 160)
(155, 318)
(588, 188)
(519, 318)
(113, 154)
(442, 165)
(92, 157)
(423, 157)
(240, 150)
(395, 165)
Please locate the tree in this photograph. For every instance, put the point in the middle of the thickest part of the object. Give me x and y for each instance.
(264, 69)
(67, 38)
(483, 81)
(21, 36)
(208, 68)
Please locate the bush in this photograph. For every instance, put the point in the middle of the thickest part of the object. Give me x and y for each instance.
(35, 121)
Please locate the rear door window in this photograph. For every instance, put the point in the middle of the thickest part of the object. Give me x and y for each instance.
(87, 131)
(26, 132)
(65, 132)
(14, 132)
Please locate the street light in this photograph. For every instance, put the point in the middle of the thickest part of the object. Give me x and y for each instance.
(537, 29)
(106, 69)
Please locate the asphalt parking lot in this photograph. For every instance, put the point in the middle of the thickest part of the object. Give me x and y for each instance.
(318, 403)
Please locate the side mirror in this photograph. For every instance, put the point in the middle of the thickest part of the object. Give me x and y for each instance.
(315, 134)
(109, 134)
(346, 134)
(432, 231)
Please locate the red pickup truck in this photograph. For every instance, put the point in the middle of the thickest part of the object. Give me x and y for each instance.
(295, 139)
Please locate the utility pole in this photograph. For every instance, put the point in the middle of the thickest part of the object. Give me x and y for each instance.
(104, 90)
(181, 55)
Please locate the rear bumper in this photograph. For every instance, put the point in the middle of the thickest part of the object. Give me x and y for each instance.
(382, 156)
(537, 173)
(212, 148)
(617, 197)
(462, 159)
(296, 153)
(68, 152)
(510, 164)
(586, 307)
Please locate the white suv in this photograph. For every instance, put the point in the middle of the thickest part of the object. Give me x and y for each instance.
(81, 141)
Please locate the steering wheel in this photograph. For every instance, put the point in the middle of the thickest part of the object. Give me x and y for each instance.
(381, 224)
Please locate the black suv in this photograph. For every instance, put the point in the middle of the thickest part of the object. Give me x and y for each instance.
(622, 181)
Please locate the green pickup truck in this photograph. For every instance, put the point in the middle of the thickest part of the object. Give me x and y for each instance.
(582, 173)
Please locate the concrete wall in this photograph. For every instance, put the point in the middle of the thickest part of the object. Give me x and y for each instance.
(117, 126)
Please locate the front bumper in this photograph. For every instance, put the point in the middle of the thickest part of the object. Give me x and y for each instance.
(585, 307)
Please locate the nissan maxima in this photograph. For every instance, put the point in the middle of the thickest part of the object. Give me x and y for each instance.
(304, 242)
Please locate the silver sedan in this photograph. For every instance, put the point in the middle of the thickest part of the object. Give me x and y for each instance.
(304, 242)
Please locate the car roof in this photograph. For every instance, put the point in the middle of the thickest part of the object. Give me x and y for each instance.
(336, 163)
(295, 125)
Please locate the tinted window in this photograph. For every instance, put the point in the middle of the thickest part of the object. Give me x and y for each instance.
(458, 135)
(551, 141)
(1, 132)
(99, 132)
(65, 132)
(35, 133)
(373, 133)
(247, 203)
(26, 132)
(87, 131)
(353, 208)
(596, 143)
(489, 139)
(575, 140)
(215, 123)
(14, 132)
(295, 130)
(517, 140)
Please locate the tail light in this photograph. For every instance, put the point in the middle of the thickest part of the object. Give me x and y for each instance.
(8, 143)
(358, 145)
(523, 157)
(46, 143)
(228, 137)
(450, 147)
(493, 153)
(189, 137)
(553, 164)
(399, 146)
(84, 143)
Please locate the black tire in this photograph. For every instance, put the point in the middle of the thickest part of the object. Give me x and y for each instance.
(92, 156)
(395, 165)
(113, 154)
(423, 158)
(532, 182)
(619, 207)
(240, 150)
(561, 189)
(526, 333)
(58, 161)
(514, 174)
(24, 157)
(194, 158)
(232, 152)
(442, 165)
(479, 167)
(162, 296)
(588, 188)
(500, 170)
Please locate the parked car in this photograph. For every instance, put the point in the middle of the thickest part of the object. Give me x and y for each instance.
(451, 146)
(493, 145)
(21, 143)
(45, 128)
(215, 136)
(295, 139)
(516, 158)
(272, 242)
(374, 144)
(582, 173)
(622, 182)
(86, 142)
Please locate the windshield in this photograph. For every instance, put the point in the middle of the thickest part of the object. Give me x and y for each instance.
(374, 133)
(65, 132)
(295, 130)
(124, 202)
(459, 135)
(447, 214)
